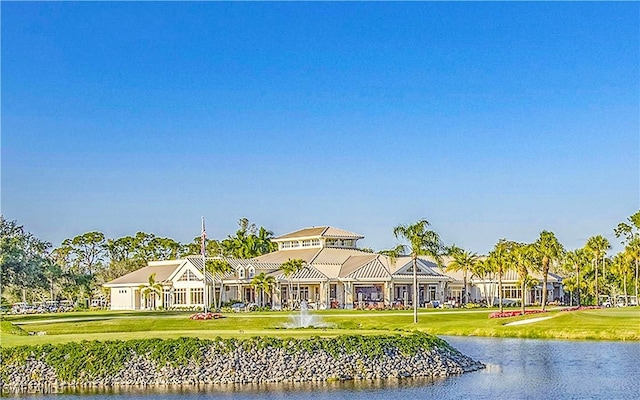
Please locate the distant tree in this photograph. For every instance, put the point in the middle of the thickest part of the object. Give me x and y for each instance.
(465, 261)
(248, 241)
(597, 246)
(152, 288)
(573, 261)
(23, 259)
(551, 251)
(524, 258)
(500, 260)
(633, 249)
(87, 252)
(290, 268)
(218, 268)
(263, 283)
(621, 267)
(422, 242)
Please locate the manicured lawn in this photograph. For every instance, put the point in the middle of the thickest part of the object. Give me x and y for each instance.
(604, 324)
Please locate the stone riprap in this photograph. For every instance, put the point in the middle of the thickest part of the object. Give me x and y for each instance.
(248, 365)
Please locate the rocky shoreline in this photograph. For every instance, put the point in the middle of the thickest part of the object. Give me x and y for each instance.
(244, 365)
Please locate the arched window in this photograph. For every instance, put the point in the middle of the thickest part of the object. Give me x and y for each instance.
(252, 272)
(241, 272)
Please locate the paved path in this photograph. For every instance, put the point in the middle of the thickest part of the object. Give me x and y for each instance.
(527, 321)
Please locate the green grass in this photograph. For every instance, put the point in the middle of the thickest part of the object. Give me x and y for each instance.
(604, 324)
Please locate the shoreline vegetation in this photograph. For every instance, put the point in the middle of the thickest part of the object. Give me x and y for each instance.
(193, 361)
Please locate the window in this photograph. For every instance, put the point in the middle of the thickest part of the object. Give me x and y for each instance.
(315, 242)
(189, 276)
(511, 292)
(306, 243)
(286, 245)
(304, 293)
(252, 272)
(197, 296)
(295, 244)
(241, 273)
(180, 296)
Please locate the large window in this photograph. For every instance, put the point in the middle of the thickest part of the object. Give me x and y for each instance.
(511, 292)
(252, 272)
(180, 296)
(304, 293)
(197, 296)
(189, 276)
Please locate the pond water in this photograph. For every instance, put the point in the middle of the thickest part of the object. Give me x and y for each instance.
(516, 369)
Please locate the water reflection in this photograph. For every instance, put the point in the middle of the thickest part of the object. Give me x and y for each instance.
(516, 369)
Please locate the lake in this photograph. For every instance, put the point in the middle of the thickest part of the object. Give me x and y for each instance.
(516, 369)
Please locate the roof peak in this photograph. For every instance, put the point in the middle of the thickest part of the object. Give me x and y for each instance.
(324, 231)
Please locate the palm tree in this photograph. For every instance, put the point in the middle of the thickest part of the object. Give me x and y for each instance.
(597, 246)
(633, 248)
(484, 269)
(574, 260)
(523, 256)
(622, 266)
(500, 259)
(465, 261)
(290, 268)
(263, 283)
(151, 288)
(422, 242)
(551, 251)
(218, 267)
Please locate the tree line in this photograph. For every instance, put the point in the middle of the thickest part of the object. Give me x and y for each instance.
(33, 270)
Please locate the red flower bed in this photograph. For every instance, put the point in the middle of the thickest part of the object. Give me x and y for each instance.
(202, 316)
(508, 314)
(581, 308)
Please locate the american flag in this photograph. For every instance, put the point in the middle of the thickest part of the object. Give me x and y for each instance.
(203, 241)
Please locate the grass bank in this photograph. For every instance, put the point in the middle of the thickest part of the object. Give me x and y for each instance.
(603, 324)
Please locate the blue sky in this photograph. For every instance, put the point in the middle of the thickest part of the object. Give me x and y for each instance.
(490, 120)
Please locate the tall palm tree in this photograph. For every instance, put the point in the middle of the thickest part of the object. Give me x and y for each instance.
(523, 256)
(622, 267)
(633, 248)
(218, 268)
(551, 251)
(500, 257)
(483, 269)
(290, 268)
(574, 260)
(597, 246)
(465, 261)
(263, 283)
(151, 288)
(422, 242)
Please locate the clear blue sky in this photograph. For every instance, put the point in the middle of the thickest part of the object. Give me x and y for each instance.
(490, 120)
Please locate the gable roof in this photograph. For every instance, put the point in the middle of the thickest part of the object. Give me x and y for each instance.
(162, 269)
(363, 267)
(425, 268)
(319, 231)
(309, 272)
(283, 256)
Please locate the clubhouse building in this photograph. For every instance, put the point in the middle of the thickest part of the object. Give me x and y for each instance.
(335, 274)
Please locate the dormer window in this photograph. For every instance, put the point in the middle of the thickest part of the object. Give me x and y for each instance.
(241, 272)
(252, 272)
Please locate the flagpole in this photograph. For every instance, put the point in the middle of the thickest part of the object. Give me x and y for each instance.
(203, 249)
